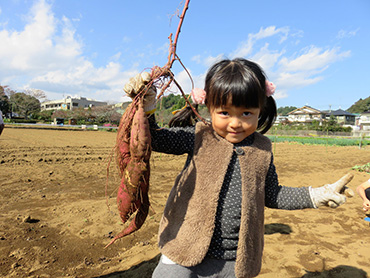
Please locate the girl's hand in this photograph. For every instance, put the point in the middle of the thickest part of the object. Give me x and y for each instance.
(331, 194)
(137, 84)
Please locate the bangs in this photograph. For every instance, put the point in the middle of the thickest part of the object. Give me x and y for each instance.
(239, 86)
(241, 83)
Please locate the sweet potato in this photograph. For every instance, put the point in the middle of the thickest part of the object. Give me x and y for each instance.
(133, 155)
(140, 140)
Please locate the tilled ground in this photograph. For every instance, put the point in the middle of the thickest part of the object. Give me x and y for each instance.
(55, 222)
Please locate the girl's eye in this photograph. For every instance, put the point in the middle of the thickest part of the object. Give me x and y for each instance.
(223, 113)
(246, 113)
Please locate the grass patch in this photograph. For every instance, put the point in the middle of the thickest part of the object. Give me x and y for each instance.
(321, 140)
(362, 168)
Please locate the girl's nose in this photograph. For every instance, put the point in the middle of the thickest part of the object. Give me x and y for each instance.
(235, 122)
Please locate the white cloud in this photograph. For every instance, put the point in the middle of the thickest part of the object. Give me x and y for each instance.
(313, 58)
(246, 47)
(197, 59)
(271, 31)
(288, 80)
(21, 51)
(344, 34)
(39, 47)
(210, 60)
(126, 39)
(267, 58)
(182, 78)
(103, 83)
(116, 56)
(185, 82)
(305, 67)
(47, 54)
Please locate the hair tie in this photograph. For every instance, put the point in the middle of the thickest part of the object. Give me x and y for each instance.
(178, 110)
(198, 96)
(270, 88)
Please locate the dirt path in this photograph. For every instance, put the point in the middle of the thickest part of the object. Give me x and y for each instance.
(54, 221)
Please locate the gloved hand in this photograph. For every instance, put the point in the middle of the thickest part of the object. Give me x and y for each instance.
(136, 84)
(331, 194)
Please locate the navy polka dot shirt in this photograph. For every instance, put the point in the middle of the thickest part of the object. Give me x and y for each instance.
(227, 221)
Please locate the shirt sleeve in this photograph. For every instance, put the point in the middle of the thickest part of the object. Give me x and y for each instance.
(175, 140)
(283, 197)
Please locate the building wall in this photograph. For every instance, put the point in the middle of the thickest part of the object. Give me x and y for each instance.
(70, 103)
(305, 117)
(365, 121)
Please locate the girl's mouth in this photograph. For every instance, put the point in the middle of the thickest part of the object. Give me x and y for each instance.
(234, 132)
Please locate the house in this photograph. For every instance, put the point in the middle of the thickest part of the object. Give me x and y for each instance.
(364, 121)
(342, 117)
(280, 119)
(306, 114)
(70, 103)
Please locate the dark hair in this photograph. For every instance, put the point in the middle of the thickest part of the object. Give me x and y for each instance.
(245, 83)
(242, 80)
(185, 117)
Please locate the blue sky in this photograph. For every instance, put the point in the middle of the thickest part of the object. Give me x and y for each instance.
(317, 52)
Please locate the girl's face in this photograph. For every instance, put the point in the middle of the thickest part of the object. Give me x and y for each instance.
(234, 123)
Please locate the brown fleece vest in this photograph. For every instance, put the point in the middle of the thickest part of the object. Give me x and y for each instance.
(188, 220)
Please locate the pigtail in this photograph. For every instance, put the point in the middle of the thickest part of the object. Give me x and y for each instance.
(185, 117)
(268, 115)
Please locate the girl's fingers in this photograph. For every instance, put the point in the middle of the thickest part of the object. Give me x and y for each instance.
(348, 192)
(340, 184)
(336, 200)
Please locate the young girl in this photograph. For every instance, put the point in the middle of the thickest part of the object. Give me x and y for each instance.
(213, 222)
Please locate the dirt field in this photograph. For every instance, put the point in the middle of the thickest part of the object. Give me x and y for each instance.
(54, 220)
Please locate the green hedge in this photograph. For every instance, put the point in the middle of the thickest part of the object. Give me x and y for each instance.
(23, 121)
(321, 140)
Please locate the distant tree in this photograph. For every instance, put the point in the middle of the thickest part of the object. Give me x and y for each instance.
(66, 114)
(81, 115)
(316, 125)
(179, 104)
(39, 94)
(166, 105)
(331, 124)
(115, 118)
(360, 106)
(170, 101)
(285, 110)
(24, 104)
(45, 116)
(4, 100)
(106, 114)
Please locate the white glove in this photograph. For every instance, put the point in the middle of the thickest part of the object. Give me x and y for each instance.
(330, 194)
(136, 84)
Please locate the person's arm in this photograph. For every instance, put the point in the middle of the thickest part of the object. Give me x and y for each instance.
(284, 197)
(290, 198)
(167, 140)
(175, 140)
(361, 191)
